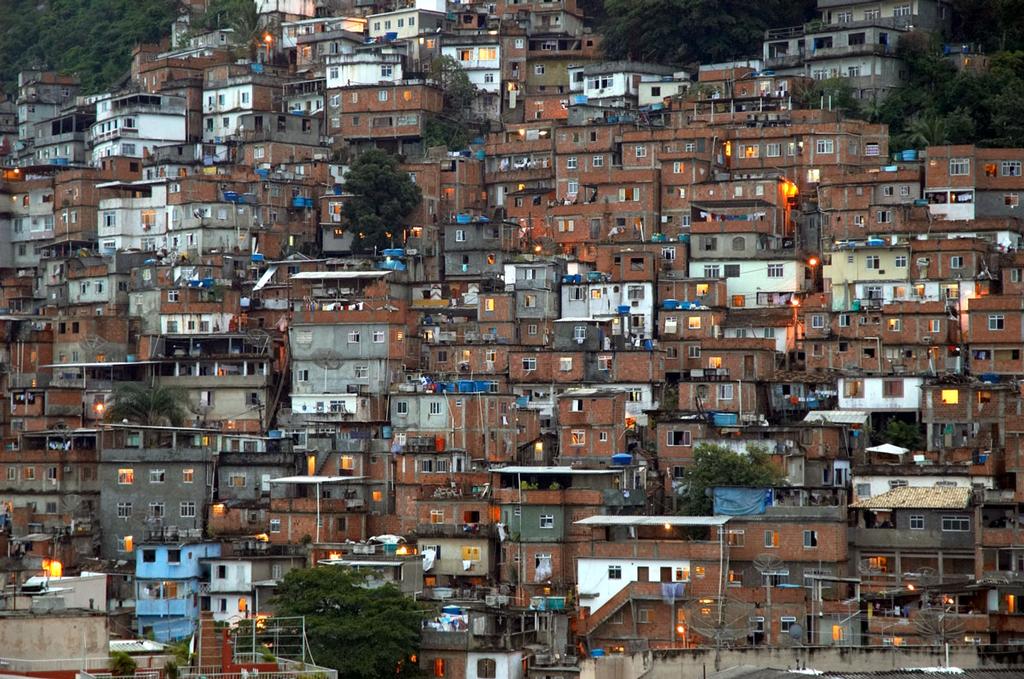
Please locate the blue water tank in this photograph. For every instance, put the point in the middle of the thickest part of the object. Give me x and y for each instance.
(597, 653)
(462, 218)
(624, 308)
(622, 459)
(725, 419)
(386, 431)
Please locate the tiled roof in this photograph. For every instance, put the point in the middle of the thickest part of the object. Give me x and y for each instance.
(918, 498)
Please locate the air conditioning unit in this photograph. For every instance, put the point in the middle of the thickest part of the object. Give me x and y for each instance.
(927, 339)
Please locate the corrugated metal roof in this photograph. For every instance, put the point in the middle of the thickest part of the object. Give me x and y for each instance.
(918, 498)
(838, 416)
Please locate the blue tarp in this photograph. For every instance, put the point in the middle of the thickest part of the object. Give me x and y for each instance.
(742, 501)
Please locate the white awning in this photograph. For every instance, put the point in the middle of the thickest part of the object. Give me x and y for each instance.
(888, 449)
(265, 278)
(554, 470)
(337, 275)
(312, 480)
(653, 521)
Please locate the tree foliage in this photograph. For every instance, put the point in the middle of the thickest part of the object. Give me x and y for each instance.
(941, 105)
(150, 406)
(454, 127)
(903, 434)
(715, 465)
(90, 38)
(382, 196)
(362, 633)
(686, 31)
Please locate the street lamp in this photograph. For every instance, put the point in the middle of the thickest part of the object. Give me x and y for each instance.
(268, 40)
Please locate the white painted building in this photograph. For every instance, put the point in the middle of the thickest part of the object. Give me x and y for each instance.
(602, 300)
(494, 665)
(404, 23)
(304, 8)
(480, 59)
(130, 124)
(757, 282)
(137, 218)
(601, 579)
(654, 89)
(231, 597)
(365, 67)
(880, 393)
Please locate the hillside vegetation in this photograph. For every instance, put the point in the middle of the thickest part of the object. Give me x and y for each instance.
(93, 38)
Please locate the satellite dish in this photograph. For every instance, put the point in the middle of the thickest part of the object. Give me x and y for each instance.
(796, 632)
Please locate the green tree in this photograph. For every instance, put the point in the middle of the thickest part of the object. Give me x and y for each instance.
(149, 405)
(456, 122)
(903, 434)
(715, 465)
(362, 633)
(381, 197)
(834, 92)
(685, 31)
(122, 664)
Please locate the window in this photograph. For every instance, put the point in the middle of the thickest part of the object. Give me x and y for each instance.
(950, 396)
(996, 321)
(275, 525)
(379, 336)
(786, 622)
(959, 167)
(917, 522)
(614, 572)
(641, 151)
(775, 270)
(824, 146)
(1010, 168)
(538, 69)
(892, 388)
(571, 163)
(693, 323)
(956, 524)
(678, 438)
(157, 475)
(956, 262)
(486, 668)
(565, 364)
(810, 539)
(529, 364)
(435, 407)
(871, 262)
(436, 516)
(773, 150)
(353, 337)
(577, 438)
(725, 392)
(771, 538)
(439, 667)
(817, 321)
(156, 510)
(187, 510)
(597, 161)
(547, 521)
(894, 324)
(901, 261)
(124, 510)
(126, 476)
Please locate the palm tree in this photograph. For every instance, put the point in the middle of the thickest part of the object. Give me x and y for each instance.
(928, 130)
(149, 405)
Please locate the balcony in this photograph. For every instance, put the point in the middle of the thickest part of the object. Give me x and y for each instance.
(460, 530)
(890, 538)
(709, 374)
(177, 608)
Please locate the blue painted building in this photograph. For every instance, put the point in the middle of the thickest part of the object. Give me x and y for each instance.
(167, 582)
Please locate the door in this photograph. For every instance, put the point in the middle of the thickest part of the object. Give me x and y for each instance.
(643, 574)
(666, 574)
(748, 367)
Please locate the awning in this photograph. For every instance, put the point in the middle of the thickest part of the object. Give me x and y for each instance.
(888, 449)
(653, 521)
(312, 480)
(336, 275)
(264, 279)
